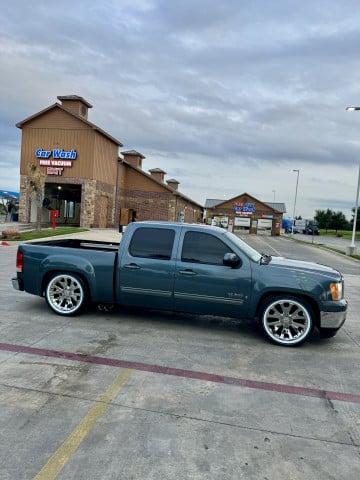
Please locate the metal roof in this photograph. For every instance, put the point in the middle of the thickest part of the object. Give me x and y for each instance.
(280, 207)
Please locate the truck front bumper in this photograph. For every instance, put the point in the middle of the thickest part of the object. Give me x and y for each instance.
(335, 316)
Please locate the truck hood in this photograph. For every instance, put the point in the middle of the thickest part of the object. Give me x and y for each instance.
(305, 267)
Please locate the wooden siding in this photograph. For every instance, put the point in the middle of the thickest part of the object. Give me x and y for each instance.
(105, 159)
(48, 139)
(137, 181)
(59, 119)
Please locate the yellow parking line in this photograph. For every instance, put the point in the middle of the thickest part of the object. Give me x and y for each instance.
(69, 446)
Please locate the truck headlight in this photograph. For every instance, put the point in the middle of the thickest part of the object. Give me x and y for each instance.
(336, 290)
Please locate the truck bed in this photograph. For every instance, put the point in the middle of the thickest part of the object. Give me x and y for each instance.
(79, 244)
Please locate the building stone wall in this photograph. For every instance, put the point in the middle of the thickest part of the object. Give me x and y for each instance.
(88, 199)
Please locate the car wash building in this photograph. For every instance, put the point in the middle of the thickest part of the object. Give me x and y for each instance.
(84, 178)
(245, 212)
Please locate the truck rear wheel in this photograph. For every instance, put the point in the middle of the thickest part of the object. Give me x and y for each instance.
(286, 320)
(65, 294)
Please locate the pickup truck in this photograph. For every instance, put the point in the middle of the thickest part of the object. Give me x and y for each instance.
(192, 268)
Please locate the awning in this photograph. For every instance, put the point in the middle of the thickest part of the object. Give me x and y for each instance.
(7, 195)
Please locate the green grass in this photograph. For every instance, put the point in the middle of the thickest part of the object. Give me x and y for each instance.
(47, 232)
(340, 233)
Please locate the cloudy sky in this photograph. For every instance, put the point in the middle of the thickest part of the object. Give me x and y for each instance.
(225, 96)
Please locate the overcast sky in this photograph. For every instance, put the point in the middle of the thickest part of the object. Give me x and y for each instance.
(225, 96)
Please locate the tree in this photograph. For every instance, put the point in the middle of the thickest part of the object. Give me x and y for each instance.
(339, 222)
(323, 218)
(37, 183)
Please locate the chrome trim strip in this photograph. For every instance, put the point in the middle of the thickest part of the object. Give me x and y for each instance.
(207, 298)
(146, 291)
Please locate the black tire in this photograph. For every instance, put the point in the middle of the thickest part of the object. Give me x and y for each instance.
(65, 294)
(286, 320)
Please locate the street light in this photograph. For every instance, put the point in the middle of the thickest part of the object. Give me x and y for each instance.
(274, 191)
(297, 183)
(352, 249)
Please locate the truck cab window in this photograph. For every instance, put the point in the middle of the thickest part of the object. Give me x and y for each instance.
(203, 248)
(152, 243)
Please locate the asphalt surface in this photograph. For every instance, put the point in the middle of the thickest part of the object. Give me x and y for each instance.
(133, 394)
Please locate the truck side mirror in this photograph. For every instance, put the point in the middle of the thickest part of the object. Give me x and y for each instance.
(231, 260)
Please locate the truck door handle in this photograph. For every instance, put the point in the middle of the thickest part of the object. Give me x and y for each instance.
(187, 272)
(132, 266)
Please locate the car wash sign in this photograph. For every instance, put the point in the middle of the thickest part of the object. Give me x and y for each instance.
(55, 160)
(244, 208)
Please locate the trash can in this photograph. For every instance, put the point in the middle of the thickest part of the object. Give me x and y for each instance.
(15, 217)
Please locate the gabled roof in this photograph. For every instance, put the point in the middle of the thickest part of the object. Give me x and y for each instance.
(212, 202)
(156, 170)
(74, 97)
(164, 185)
(135, 153)
(279, 207)
(57, 105)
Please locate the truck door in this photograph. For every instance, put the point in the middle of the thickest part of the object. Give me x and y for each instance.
(146, 268)
(203, 284)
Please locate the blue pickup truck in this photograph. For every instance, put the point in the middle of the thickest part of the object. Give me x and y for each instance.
(186, 268)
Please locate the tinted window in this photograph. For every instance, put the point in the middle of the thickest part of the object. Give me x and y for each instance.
(152, 243)
(203, 248)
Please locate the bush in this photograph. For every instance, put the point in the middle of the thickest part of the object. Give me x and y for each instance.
(10, 233)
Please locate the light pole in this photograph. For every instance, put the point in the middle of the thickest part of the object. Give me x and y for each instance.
(352, 248)
(274, 191)
(296, 190)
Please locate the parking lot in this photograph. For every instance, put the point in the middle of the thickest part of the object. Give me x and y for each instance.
(132, 394)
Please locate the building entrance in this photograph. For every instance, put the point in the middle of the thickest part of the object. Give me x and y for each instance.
(66, 199)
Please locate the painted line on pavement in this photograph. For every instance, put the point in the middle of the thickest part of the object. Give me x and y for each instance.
(178, 372)
(60, 458)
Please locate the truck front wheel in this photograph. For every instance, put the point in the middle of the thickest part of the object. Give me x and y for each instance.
(65, 294)
(286, 320)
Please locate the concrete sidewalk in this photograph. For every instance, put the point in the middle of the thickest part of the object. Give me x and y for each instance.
(338, 243)
(98, 234)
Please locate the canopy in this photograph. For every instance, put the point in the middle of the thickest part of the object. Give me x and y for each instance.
(9, 195)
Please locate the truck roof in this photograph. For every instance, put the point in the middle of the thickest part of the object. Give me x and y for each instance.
(179, 224)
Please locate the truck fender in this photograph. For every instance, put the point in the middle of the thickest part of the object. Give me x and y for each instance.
(68, 263)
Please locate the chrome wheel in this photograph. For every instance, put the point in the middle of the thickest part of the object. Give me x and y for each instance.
(65, 294)
(286, 320)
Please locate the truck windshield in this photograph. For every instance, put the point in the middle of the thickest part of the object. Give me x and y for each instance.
(244, 247)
